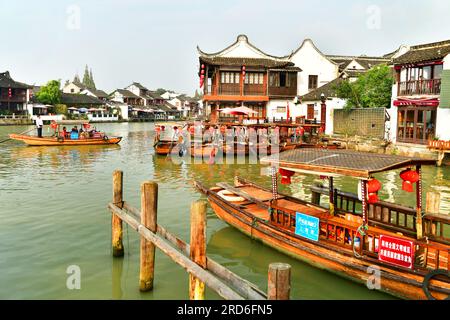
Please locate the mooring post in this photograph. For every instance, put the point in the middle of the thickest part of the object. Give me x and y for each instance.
(149, 207)
(279, 281)
(198, 248)
(432, 206)
(116, 222)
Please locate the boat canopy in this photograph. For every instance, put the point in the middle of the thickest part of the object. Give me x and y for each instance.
(341, 162)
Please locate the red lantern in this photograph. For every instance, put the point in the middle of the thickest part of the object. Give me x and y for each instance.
(9, 92)
(409, 177)
(203, 66)
(202, 72)
(191, 129)
(202, 76)
(243, 68)
(53, 125)
(286, 175)
(373, 185)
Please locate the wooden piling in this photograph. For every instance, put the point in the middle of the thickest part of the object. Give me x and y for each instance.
(279, 281)
(149, 207)
(433, 201)
(198, 248)
(116, 223)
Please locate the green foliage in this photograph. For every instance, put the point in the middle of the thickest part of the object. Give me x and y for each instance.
(61, 109)
(50, 93)
(88, 80)
(372, 89)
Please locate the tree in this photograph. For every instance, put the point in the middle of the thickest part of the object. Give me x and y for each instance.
(91, 78)
(86, 78)
(50, 93)
(372, 89)
(76, 79)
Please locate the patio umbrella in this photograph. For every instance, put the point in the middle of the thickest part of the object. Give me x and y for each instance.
(238, 111)
(83, 110)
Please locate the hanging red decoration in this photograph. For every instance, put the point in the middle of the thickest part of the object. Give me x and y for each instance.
(409, 177)
(53, 125)
(286, 175)
(203, 66)
(300, 131)
(373, 185)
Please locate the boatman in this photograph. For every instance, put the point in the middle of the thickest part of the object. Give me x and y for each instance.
(39, 125)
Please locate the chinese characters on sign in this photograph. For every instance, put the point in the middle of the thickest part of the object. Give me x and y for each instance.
(307, 226)
(396, 251)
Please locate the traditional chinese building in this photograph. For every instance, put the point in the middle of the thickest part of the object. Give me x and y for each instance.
(421, 94)
(242, 74)
(14, 95)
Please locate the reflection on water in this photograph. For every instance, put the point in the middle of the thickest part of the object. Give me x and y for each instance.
(53, 213)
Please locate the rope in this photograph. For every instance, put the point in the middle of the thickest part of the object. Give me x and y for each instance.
(362, 231)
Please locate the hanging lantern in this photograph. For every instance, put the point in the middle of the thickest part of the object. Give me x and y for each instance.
(286, 175)
(409, 177)
(373, 185)
(203, 71)
(300, 131)
(203, 66)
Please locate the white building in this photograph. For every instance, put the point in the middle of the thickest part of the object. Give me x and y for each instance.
(420, 108)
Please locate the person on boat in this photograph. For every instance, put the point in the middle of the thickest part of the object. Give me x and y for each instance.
(39, 125)
(64, 132)
(74, 133)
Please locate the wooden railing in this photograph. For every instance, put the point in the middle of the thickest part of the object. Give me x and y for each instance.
(254, 90)
(229, 89)
(430, 86)
(390, 215)
(431, 256)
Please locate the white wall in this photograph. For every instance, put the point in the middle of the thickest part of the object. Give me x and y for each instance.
(124, 111)
(391, 126)
(446, 65)
(442, 123)
(332, 104)
(312, 62)
(271, 109)
(70, 86)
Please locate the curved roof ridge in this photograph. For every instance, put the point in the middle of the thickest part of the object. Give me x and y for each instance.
(240, 38)
(315, 48)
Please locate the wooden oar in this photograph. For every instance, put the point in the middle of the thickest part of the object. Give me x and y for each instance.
(17, 133)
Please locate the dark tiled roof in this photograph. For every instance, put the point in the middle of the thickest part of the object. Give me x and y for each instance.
(365, 61)
(251, 62)
(346, 162)
(98, 93)
(125, 93)
(79, 99)
(425, 52)
(327, 89)
(140, 86)
(154, 95)
(7, 82)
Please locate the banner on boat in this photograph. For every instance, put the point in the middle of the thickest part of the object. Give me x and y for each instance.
(307, 226)
(396, 251)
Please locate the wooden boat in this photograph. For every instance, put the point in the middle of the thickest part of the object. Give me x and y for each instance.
(58, 139)
(166, 137)
(410, 253)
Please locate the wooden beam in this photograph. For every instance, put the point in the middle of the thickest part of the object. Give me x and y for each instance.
(116, 222)
(204, 275)
(245, 288)
(198, 248)
(279, 281)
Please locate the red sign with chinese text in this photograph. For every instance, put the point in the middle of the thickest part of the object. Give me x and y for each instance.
(396, 251)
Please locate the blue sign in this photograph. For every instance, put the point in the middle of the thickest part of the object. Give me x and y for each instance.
(307, 226)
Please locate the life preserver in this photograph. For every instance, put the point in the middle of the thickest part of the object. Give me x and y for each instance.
(427, 279)
(230, 196)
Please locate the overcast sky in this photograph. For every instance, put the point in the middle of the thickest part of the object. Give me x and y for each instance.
(154, 42)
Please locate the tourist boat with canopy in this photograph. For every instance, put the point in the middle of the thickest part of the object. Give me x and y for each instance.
(167, 135)
(357, 237)
(58, 138)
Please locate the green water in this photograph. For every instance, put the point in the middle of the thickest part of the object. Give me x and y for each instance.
(53, 215)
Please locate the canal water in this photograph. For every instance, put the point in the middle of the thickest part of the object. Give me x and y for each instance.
(53, 216)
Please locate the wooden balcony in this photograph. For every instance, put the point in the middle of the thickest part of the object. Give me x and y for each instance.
(254, 90)
(430, 86)
(283, 91)
(14, 98)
